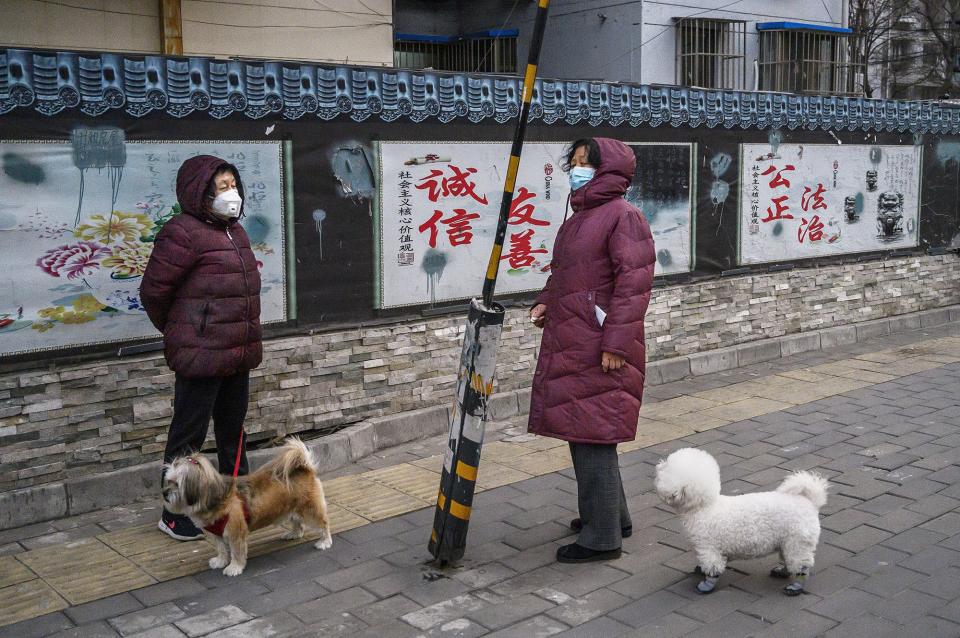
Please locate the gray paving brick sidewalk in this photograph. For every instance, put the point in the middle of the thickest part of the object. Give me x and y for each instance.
(888, 563)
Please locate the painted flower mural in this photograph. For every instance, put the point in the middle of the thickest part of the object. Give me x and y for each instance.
(128, 259)
(75, 245)
(73, 260)
(108, 260)
(119, 227)
(80, 309)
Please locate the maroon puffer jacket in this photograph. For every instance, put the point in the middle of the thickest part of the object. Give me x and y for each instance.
(603, 256)
(201, 288)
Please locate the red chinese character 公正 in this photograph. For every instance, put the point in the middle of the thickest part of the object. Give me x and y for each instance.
(812, 230)
(813, 198)
(459, 230)
(521, 210)
(778, 180)
(521, 253)
(780, 212)
(457, 185)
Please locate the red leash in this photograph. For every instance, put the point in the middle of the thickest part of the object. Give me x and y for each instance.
(218, 526)
(236, 464)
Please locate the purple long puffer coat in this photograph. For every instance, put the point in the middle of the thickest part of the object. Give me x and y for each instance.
(603, 256)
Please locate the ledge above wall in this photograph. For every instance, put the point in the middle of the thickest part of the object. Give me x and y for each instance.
(50, 82)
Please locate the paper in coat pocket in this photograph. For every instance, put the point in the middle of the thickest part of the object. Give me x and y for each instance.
(601, 315)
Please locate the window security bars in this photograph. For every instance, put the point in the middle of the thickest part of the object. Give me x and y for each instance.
(812, 62)
(464, 54)
(711, 53)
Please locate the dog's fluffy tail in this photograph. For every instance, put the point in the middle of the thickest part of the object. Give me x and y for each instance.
(295, 456)
(809, 485)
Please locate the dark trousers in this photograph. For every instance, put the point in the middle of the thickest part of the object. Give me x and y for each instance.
(600, 497)
(195, 401)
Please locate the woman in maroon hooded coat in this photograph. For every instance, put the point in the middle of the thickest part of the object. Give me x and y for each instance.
(201, 289)
(588, 385)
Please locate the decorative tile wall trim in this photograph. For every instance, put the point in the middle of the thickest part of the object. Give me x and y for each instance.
(51, 83)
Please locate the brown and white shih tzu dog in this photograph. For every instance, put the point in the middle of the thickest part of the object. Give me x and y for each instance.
(228, 509)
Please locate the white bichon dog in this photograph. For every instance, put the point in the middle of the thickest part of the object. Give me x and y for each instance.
(723, 528)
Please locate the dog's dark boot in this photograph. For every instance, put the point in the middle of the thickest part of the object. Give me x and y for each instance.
(577, 525)
(797, 586)
(574, 553)
(708, 584)
(780, 571)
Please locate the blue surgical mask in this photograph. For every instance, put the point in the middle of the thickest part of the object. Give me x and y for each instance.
(580, 175)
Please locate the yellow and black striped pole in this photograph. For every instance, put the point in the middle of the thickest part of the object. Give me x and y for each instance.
(448, 539)
(529, 78)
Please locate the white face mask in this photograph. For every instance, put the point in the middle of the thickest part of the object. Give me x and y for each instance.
(228, 204)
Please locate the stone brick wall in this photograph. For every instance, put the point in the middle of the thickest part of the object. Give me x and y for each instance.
(59, 422)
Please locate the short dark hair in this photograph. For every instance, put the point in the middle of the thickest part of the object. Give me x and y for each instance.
(212, 186)
(593, 152)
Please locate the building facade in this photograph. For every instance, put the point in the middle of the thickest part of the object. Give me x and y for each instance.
(785, 46)
(336, 31)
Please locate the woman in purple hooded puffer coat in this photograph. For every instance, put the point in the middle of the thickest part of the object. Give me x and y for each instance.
(588, 386)
(201, 289)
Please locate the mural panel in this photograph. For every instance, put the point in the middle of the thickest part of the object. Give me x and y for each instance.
(811, 200)
(439, 202)
(77, 223)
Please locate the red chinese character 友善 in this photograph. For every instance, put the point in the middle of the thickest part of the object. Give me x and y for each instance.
(778, 179)
(521, 253)
(457, 185)
(522, 212)
(814, 197)
(780, 212)
(812, 230)
(459, 231)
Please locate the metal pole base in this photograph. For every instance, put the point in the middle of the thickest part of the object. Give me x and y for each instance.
(478, 360)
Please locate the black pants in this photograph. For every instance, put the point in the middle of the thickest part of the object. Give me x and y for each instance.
(600, 497)
(194, 402)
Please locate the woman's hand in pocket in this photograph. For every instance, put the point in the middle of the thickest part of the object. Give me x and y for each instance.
(611, 362)
(538, 315)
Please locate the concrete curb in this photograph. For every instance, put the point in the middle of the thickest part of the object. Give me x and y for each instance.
(109, 489)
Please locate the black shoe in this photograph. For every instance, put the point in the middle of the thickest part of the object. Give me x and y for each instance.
(625, 532)
(574, 553)
(179, 527)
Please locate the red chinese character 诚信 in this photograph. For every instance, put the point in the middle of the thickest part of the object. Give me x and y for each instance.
(813, 197)
(812, 230)
(457, 185)
(778, 179)
(780, 212)
(521, 253)
(521, 212)
(459, 230)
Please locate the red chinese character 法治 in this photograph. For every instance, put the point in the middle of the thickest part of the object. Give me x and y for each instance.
(780, 212)
(778, 179)
(813, 198)
(459, 230)
(521, 253)
(812, 230)
(521, 210)
(458, 184)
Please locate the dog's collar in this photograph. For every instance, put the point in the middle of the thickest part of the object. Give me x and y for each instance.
(218, 526)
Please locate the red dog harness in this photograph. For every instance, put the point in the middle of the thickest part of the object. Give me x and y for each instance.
(218, 526)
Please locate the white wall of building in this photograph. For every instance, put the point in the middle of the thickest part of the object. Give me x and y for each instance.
(346, 31)
(90, 25)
